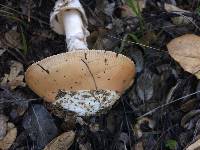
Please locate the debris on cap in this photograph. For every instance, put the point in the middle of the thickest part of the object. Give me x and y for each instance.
(186, 51)
(84, 81)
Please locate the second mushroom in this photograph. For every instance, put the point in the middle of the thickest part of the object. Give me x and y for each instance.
(82, 81)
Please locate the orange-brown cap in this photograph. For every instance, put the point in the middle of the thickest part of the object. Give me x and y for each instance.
(80, 70)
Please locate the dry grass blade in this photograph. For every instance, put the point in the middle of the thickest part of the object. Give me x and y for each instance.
(135, 43)
(15, 12)
(167, 104)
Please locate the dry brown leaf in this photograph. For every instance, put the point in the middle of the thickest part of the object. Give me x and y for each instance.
(62, 142)
(13, 79)
(194, 146)
(181, 19)
(3, 126)
(13, 39)
(10, 137)
(186, 51)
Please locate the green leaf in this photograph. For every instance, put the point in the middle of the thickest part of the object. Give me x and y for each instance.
(171, 144)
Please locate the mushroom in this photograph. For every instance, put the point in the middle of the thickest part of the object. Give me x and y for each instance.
(82, 81)
(68, 18)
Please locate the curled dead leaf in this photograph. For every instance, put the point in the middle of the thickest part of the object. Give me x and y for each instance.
(13, 39)
(181, 19)
(3, 126)
(62, 142)
(186, 121)
(10, 137)
(14, 79)
(186, 51)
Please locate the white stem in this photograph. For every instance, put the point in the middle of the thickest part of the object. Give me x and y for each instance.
(74, 30)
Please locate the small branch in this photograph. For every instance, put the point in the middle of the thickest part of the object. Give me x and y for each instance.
(47, 71)
(90, 73)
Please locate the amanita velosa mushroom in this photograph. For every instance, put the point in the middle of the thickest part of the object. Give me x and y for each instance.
(81, 80)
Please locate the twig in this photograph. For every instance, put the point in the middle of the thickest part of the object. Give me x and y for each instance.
(135, 43)
(90, 73)
(35, 18)
(176, 100)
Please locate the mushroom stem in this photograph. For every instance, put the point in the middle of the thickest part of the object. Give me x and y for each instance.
(74, 30)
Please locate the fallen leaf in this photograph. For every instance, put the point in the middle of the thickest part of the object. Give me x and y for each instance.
(186, 51)
(194, 146)
(3, 126)
(10, 137)
(181, 19)
(144, 86)
(62, 142)
(13, 79)
(13, 39)
(39, 125)
(189, 120)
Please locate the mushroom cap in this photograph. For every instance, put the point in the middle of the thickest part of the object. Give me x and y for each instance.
(80, 70)
(56, 21)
